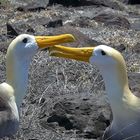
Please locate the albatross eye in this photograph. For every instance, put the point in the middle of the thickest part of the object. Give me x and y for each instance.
(103, 53)
(25, 40)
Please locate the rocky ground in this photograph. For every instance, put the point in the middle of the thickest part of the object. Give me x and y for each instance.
(66, 99)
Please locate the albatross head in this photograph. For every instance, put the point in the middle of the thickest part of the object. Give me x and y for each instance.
(102, 55)
(105, 56)
(109, 61)
(25, 46)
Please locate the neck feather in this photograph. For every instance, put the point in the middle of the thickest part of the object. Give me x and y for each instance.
(116, 84)
(123, 103)
(13, 106)
(115, 78)
(17, 75)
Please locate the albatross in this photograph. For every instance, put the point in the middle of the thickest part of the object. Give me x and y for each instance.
(124, 104)
(18, 58)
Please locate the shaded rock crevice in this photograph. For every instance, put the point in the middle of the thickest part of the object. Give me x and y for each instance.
(63, 121)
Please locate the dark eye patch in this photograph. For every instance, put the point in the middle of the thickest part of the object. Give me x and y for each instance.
(103, 53)
(25, 40)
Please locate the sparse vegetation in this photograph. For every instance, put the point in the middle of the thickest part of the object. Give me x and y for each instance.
(4, 2)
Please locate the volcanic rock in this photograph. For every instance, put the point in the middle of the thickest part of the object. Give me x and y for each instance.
(14, 29)
(109, 3)
(112, 19)
(133, 2)
(54, 24)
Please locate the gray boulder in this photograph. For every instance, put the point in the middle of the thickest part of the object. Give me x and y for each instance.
(109, 3)
(112, 19)
(30, 5)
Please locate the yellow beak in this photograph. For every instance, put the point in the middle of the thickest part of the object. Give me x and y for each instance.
(46, 41)
(80, 54)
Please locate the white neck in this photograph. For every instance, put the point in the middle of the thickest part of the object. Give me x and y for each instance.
(113, 86)
(120, 97)
(17, 76)
(125, 106)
